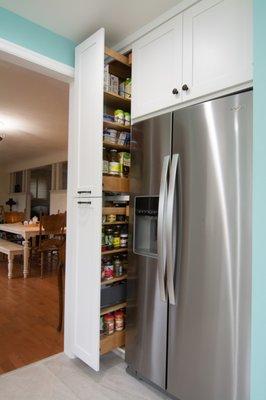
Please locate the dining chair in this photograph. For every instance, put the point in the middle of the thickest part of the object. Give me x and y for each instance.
(60, 280)
(51, 236)
(13, 217)
(2, 211)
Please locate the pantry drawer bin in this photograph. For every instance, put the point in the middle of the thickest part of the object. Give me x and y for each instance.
(113, 294)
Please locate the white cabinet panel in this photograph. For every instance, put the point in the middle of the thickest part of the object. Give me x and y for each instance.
(217, 46)
(156, 68)
(88, 119)
(88, 215)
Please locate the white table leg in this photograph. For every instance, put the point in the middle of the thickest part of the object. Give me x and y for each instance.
(26, 258)
(10, 265)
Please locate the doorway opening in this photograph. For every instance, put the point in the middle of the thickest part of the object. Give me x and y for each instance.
(33, 184)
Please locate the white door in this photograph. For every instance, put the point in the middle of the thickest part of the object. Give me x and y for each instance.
(87, 272)
(88, 116)
(157, 69)
(217, 46)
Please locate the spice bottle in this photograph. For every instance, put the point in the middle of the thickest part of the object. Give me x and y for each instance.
(124, 238)
(108, 270)
(119, 320)
(109, 324)
(116, 239)
(109, 238)
(105, 162)
(114, 165)
(103, 241)
(118, 266)
(124, 258)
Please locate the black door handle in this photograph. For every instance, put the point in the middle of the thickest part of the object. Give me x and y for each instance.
(175, 91)
(185, 87)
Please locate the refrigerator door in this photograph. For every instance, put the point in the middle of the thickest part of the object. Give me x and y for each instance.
(209, 318)
(146, 333)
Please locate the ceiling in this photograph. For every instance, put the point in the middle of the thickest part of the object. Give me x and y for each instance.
(78, 19)
(33, 112)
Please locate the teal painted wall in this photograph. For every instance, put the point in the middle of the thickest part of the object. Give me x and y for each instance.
(34, 37)
(258, 363)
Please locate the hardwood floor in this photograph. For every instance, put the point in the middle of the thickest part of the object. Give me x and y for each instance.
(28, 318)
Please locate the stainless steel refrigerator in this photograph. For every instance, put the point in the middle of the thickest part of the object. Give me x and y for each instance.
(189, 276)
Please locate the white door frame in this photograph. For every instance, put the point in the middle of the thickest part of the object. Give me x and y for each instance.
(37, 62)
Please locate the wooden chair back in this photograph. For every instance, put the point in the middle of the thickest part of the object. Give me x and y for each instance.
(54, 224)
(12, 217)
(2, 212)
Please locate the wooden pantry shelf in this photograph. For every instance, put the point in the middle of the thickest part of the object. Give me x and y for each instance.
(116, 146)
(118, 279)
(116, 126)
(115, 101)
(115, 307)
(115, 184)
(117, 56)
(114, 211)
(107, 252)
(111, 342)
(116, 223)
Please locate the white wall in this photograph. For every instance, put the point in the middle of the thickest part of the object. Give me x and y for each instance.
(4, 187)
(58, 201)
(35, 162)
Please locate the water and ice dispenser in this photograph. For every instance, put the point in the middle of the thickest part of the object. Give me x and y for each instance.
(145, 225)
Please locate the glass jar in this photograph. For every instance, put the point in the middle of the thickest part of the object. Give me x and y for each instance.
(119, 320)
(114, 165)
(120, 218)
(109, 238)
(102, 273)
(101, 325)
(123, 240)
(108, 270)
(118, 266)
(109, 324)
(111, 218)
(104, 247)
(105, 162)
(116, 238)
(128, 84)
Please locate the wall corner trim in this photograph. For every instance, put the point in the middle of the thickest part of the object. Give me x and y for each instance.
(30, 59)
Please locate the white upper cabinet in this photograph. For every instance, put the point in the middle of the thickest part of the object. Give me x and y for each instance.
(205, 49)
(157, 68)
(88, 116)
(217, 46)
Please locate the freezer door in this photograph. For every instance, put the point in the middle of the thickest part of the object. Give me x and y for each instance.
(209, 318)
(147, 306)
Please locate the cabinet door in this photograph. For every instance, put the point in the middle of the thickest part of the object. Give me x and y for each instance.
(88, 118)
(156, 68)
(217, 46)
(87, 283)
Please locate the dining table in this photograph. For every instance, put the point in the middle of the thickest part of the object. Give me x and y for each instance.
(27, 232)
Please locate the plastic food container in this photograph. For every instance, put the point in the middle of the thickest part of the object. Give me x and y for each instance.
(127, 118)
(119, 117)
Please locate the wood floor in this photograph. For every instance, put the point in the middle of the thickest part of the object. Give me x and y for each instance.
(28, 318)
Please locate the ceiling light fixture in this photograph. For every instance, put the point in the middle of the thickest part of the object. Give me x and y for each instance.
(2, 134)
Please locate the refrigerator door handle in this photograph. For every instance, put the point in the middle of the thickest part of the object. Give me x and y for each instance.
(161, 236)
(171, 228)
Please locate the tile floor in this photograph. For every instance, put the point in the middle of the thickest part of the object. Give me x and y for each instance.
(59, 378)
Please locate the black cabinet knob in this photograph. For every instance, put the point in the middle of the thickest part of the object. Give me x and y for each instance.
(185, 87)
(175, 91)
